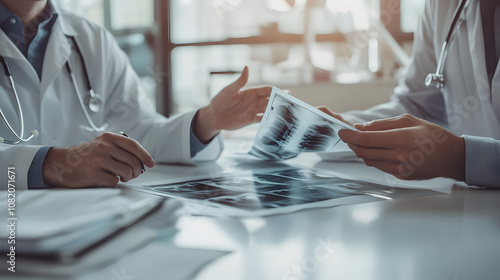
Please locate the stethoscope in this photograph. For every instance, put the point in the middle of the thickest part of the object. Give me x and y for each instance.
(437, 79)
(91, 104)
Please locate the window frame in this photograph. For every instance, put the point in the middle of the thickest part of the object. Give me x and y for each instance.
(166, 45)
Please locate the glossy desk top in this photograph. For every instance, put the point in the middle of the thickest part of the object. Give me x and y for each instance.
(454, 235)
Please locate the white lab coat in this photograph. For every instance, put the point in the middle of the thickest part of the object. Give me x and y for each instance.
(467, 105)
(51, 105)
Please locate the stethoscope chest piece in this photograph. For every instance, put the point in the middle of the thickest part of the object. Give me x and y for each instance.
(437, 79)
(434, 80)
(93, 102)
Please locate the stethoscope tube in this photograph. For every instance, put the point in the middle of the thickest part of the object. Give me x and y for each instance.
(92, 103)
(20, 137)
(437, 79)
(82, 103)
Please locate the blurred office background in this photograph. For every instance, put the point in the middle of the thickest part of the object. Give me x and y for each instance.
(343, 54)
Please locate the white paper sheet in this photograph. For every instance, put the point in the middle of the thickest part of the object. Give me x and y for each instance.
(47, 213)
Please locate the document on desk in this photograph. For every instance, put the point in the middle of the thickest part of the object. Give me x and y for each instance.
(290, 127)
(61, 226)
(273, 191)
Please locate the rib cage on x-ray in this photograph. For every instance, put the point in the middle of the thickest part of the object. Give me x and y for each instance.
(293, 130)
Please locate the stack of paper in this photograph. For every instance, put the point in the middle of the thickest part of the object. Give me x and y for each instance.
(69, 231)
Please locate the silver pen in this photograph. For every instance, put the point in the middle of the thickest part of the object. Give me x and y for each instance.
(142, 164)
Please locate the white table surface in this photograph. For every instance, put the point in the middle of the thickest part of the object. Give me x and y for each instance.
(452, 236)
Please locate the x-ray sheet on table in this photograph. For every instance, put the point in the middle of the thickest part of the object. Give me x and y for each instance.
(291, 126)
(275, 191)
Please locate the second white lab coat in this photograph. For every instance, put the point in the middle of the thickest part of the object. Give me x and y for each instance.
(467, 105)
(51, 105)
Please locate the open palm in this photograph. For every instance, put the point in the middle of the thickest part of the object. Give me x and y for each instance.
(234, 108)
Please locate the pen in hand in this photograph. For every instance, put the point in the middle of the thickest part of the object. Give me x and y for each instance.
(142, 165)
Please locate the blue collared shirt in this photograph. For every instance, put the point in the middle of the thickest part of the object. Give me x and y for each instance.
(34, 52)
(12, 25)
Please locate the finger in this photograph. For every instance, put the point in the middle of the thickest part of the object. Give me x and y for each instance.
(132, 147)
(374, 153)
(239, 83)
(106, 179)
(119, 169)
(326, 110)
(128, 159)
(265, 92)
(263, 102)
(260, 91)
(371, 139)
(329, 112)
(402, 121)
(257, 118)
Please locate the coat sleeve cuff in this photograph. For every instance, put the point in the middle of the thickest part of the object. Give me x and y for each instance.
(204, 152)
(195, 143)
(35, 176)
(482, 161)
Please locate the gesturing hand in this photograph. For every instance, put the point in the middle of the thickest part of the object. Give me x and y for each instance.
(231, 109)
(102, 161)
(408, 148)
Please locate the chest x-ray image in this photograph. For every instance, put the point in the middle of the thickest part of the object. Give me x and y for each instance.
(290, 127)
(274, 191)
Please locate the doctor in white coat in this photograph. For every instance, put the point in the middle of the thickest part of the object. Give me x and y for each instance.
(450, 132)
(66, 152)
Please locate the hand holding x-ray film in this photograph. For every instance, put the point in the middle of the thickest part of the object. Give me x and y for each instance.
(290, 127)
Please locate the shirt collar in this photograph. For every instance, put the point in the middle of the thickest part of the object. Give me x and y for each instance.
(49, 11)
(4, 13)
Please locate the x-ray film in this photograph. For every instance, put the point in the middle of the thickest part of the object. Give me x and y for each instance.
(274, 191)
(290, 127)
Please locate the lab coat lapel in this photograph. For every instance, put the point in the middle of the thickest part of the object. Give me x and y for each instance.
(7, 47)
(495, 92)
(9, 50)
(57, 53)
(462, 41)
(476, 45)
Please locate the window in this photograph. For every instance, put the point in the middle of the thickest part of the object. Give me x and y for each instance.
(410, 14)
(312, 41)
(131, 14)
(92, 10)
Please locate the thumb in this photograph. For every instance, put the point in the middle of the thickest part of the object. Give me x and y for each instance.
(387, 124)
(240, 82)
